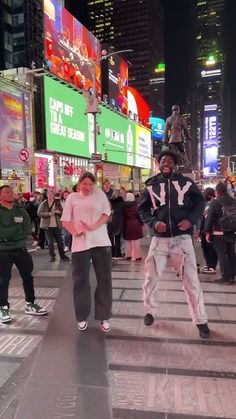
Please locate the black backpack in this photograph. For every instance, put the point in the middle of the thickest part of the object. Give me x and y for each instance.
(227, 222)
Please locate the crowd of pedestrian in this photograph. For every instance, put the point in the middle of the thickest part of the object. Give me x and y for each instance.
(97, 225)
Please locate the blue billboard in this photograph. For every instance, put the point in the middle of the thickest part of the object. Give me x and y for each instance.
(157, 127)
(210, 142)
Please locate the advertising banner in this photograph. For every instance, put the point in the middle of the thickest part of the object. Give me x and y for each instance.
(123, 141)
(157, 127)
(143, 147)
(68, 129)
(71, 51)
(210, 143)
(16, 128)
(118, 82)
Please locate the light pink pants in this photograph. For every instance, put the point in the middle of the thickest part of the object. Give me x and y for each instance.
(133, 249)
(162, 249)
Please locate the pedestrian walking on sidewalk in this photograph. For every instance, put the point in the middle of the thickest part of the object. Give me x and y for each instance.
(220, 227)
(172, 204)
(85, 216)
(208, 249)
(133, 229)
(15, 227)
(50, 211)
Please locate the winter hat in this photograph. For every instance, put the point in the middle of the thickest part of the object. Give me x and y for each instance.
(26, 195)
(130, 196)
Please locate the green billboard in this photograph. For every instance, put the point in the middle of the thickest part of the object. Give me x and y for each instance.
(124, 141)
(70, 131)
(67, 127)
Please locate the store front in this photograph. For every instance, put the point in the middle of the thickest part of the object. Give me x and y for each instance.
(59, 171)
(118, 175)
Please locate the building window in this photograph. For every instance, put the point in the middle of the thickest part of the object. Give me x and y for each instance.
(7, 18)
(18, 19)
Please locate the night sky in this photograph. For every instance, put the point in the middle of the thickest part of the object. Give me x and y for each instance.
(177, 57)
(78, 5)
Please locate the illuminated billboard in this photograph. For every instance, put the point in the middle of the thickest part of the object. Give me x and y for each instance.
(124, 141)
(143, 147)
(68, 129)
(210, 142)
(118, 82)
(157, 127)
(70, 49)
(16, 128)
(138, 108)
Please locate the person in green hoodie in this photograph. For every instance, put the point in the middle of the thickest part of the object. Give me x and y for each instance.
(15, 227)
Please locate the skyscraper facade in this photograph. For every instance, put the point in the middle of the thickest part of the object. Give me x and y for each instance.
(101, 19)
(21, 33)
(209, 104)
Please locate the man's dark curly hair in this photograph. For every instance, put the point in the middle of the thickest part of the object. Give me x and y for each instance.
(167, 153)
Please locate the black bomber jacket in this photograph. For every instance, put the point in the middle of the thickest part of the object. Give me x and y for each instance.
(171, 200)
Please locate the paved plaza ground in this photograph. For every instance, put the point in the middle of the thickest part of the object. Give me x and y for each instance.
(50, 370)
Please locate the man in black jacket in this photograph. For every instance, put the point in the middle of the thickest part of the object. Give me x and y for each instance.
(171, 205)
(224, 241)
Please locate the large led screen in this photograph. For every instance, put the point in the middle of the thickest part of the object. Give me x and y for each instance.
(157, 126)
(70, 49)
(143, 147)
(16, 128)
(210, 143)
(118, 82)
(124, 141)
(68, 129)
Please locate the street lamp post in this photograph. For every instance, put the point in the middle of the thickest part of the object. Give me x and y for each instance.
(91, 99)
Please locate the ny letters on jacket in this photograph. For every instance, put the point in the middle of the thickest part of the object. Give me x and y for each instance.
(171, 200)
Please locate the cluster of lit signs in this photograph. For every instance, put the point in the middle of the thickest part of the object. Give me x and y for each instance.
(70, 131)
(210, 142)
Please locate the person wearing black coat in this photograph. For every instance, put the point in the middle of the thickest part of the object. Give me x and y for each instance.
(116, 225)
(208, 249)
(133, 229)
(224, 242)
(31, 209)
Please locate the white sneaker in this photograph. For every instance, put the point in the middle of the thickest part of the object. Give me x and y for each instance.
(82, 325)
(105, 326)
(34, 243)
(66, 249)
(5, 314)
(35, 310)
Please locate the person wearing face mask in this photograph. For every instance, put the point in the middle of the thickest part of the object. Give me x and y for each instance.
(171, 205)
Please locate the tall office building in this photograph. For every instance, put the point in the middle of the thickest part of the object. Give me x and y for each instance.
(21, 30)
(136, 25)
(139, 25)
(209, 86)
(101, 19)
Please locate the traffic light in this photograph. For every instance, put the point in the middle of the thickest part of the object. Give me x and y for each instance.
(105, 156)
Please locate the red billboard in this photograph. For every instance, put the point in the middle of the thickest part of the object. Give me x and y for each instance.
(71, 51)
